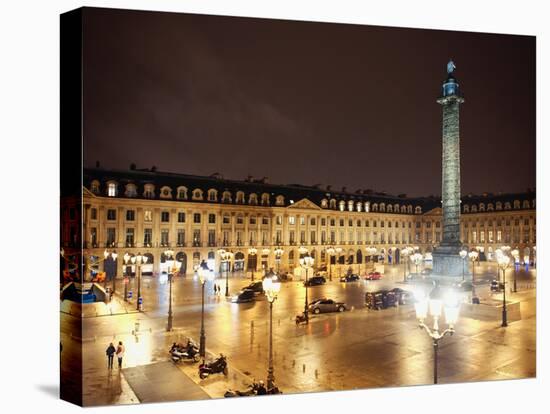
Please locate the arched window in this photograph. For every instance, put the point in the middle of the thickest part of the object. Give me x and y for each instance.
(390, 208)
(111, 189)
(490, 207)
(94, 187)
(382, 207)
(332, 203)
(182, 193)
(280, 200)
(149, 191)
(516, 204)
(499, 205)
(265, 199)
(507, 206)
(375, 207)
(409, 209)
(324, 203)
(253, 199)
(474, 208)
(240, 197)
(403, 209)
(466, 208)
(226, 197)
(396, 208)
(165, 192)
(131, 190)
(212, 195)
(525, 203)
(418, 210)
(197, 194)
(481, 206)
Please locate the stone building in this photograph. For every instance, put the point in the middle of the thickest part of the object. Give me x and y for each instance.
(146, 211)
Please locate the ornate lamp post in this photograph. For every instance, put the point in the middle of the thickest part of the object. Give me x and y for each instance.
(127, 259)
(205, 274)
(330, 251)
(406, 252)
(463, 253)
(278, 253)
(515, 255)
(113, 255)
(473, 257)
(252, 252)
(433, 306)
(171, 270)
(306, 262)
(271, 286)
(138, 260)
(503, 263)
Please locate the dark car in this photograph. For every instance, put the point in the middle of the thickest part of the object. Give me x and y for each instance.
(315, 281)
(374, 276)
(497, 286)
(349, 278)
(381, 299)
(256, 287)
(403, 296)
(326, 305)
(245, 295)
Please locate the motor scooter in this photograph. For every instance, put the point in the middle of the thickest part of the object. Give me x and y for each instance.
(219, 365)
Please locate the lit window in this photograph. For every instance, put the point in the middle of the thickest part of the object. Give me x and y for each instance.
(111, 190)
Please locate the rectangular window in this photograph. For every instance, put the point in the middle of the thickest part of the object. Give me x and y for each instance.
(303, 237)
(129, 237)
(367, 223)
(93, 236)
(111, 214)
(302, 221)
(252, 219)
(358, 237)
(164, 216)
(111, 236)
(240, 220)
(474, 236)
(332, 222)
(350, 238)
(417, 237)
(490, 235)
(382, 224)
(350, 222)
(239, 239)
(358, 223)
(196, 238)
(312, 237)
(181, 217)
(211, 219)
(265, 238)
(341, 222)
(181, 237)
(323, 222)
(374, 223)
(197, 218)
(332, 237)
(147, 215)
(279, 237)
(291, 237)
(482, 236)
(130, 215)
(211, 238)
(265, 220)
(148, 237)
(291, 220)
(252, 238)
(164, 238)
(428, 224)
(312, 221)
(226, 238)
(279, 220)
(499, 236)
(226, 219)
(94, 214)
(342, 237)
(323, 237)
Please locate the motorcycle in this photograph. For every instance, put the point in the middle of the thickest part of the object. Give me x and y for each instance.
(251, 390)
(301, 318)
(219, 365)
(179, 352)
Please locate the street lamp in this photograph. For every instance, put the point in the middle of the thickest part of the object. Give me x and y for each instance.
(113, 255)
(338, 251)
(515, 255)
(138, 260)
(127, 259)
(473, 257)
(406, 252)
(278, 253)
(463, 253)
(204, 275)
(417, 260)
(306, 262)
(271, 286)
(434, 305)
(503, 263)
(225, 258)
(330, 251)
(171, 270)
(252, 252)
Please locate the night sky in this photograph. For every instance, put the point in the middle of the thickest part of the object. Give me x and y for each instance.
(307, 103)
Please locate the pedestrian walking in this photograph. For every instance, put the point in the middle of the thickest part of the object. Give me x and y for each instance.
(110, 355)
(120, 353)
(215, 289)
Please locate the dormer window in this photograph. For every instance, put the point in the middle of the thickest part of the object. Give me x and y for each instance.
(197, 194)
(466, 208)
(403, 209)
(265, 199)
(240, 197)
(111, 189)
(332, 203)
(165, 192)
(367, 207)
(490, 207)
(525, 203)
(481, 206)
(182, 193)
(499, 205)
(350, 205)
(375, 207)
(226, 197)
(383, 207)
(390, 208)
(474, 208)
(342, 205)
(324, 203)
(358, 206)
(507, 205)
(253, 199)
(418, 210)
(149, 191)
(280, 200)
(516, 204)
(409, 209)
(94, 187)
(212, 195)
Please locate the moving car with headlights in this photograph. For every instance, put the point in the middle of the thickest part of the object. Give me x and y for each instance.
(256, 287)
(381, 299)
(349, 278)
(403, 296)
(374, 276)
(315, 281)
(326, 305)
(245, 295)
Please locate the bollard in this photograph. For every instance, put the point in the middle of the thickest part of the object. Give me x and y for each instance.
(304, 368)
(293, 363)
(316, 373)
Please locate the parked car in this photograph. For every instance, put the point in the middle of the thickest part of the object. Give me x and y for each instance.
(349, 278)
(373, 276)
(381, 299)
(315, 281)
(403, 296)
(245, 295)
(256, 287)
(326, 305)
(497, 286)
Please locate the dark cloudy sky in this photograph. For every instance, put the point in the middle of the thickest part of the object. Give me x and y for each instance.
(303, 102)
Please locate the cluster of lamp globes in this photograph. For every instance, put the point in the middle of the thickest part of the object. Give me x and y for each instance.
(435, 305)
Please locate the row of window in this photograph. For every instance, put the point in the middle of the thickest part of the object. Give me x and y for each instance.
(481, 207)
(253, 198)
(499, 236)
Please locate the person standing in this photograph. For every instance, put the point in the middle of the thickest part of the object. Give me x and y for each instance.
(110, 355)
(120, 354)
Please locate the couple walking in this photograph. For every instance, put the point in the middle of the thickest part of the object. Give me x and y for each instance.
(111, 351)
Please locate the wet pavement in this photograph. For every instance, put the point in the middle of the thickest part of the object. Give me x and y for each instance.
(355, 349)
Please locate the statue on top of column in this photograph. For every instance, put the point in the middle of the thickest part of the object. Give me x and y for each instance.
(450, 67)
